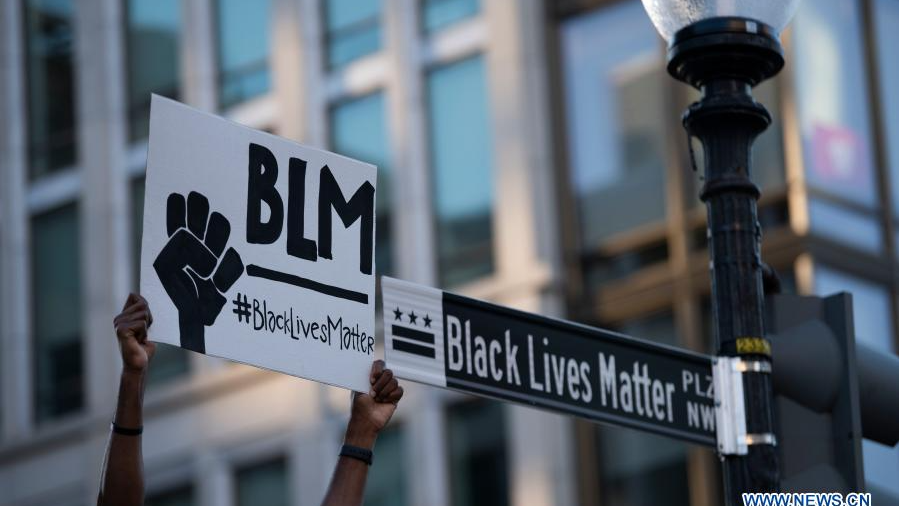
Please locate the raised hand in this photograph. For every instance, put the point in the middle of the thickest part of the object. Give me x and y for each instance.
(371, 411)
(131, 330)
(192, 268)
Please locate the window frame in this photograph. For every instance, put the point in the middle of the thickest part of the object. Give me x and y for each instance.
(328, 35)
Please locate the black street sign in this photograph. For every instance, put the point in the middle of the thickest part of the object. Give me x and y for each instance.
(472, 346)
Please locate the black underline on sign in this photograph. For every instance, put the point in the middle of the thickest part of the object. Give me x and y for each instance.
(292, 279)
(413, 334)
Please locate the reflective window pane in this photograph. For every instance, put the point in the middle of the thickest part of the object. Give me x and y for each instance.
(359, 130)
(178, 497)
(886, 20)
(2, 344)
(616, 112)
(767, 151)
(263, 484)
(636, 468)
(437, 14)
(353, 29)
(832, 99)
(49, 53)
(871, 314)
(386, 485)
(138, 191)
(153, 32)
(169, 361)
(244, 44)
(841, 224)
(478, 455)
(462, 164)
(56, 310)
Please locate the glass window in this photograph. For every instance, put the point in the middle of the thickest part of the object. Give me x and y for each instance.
(834, 221)
(873, 327)
(832, 99)
(386, 485)
(169, 361)
(244, 44)
(462, 164)
(767, 151)
(477, 453)
(264, 483)
(153, 31)
(832, 103)
(637, 468)
(437, 14)
(179, 497)
(138, 191)
(2, 345)
(641, 469)
(886, 19)
(56, 310)
(353, 29)
(616, 118)
(359, 130)
(51, 85)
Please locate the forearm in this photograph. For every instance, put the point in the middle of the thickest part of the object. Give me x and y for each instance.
(122, 481)
(347, 486)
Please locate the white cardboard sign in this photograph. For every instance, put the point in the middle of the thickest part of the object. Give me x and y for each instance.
(258, 249)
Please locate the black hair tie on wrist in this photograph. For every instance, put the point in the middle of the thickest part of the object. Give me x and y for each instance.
(125, 431)
(355, 452)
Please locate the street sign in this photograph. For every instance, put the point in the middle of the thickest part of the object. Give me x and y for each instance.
(456, 342)
(258, 249)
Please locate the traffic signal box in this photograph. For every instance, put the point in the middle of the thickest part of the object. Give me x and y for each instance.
(816, 385)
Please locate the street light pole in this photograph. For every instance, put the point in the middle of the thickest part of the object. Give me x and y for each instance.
(724, 48)
(725, 57)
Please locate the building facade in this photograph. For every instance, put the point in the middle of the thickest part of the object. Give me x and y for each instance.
(529, 153)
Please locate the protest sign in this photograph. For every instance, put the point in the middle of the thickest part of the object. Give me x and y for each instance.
(258, 249)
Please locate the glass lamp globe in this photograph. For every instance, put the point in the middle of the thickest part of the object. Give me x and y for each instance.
(669, 16)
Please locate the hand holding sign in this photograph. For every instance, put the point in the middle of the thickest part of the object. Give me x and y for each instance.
(303, 285)
(372, 411)
(131, 331)
(189, 267)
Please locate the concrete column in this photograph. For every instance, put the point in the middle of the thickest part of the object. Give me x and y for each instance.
(103, 210)
(413, 220)
(215, 482)
(199, 89)
(199, 59)
(525, 221)
(310, 474)
(526, 232)
(15, 298)
(542, 453)
(296, 68)
(541, 458)
(312, 89)
(426, 451)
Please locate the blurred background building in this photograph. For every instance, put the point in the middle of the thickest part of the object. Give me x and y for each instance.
(529, 152)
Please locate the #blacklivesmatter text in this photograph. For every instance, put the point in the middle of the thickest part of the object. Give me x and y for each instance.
(332, 331)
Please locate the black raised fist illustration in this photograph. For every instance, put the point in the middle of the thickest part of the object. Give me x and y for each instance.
(191, 266)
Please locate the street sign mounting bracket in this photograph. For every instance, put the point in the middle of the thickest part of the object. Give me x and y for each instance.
(730, 408)
(730, 405)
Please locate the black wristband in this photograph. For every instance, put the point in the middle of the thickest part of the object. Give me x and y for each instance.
(125, 431)
(354, 452)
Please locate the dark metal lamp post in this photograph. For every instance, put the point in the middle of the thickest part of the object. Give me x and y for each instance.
(724, 48)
